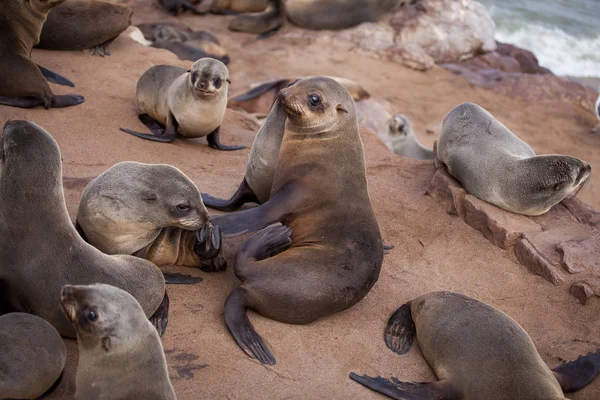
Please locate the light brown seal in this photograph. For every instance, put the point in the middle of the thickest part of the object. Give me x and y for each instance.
(477, 352)
(330, 247)
(32, 356)
(41, 251)
(403, 140)
(188, 45)
(120, 353)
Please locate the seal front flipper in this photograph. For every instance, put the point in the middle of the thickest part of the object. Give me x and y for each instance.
(160, 318)
(181, 279)
(214, 142)
(400, 330)
(53, 77)
(159, 133)
(242, 196)
(66, 100)
(577, 374)
(396, 389)
(208, 241)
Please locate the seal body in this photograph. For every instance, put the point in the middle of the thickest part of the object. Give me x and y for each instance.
(403, 140)
(120, 353)
(188, 45)
(496, 166)
(32, 355)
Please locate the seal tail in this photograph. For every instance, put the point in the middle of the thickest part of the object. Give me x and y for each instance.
(577, 374)
(400, 330)
(408, 390)
(242, 196)
(242, 330)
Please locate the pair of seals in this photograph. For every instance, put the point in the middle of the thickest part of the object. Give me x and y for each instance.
(188, 45)
(41, 251)
(192, 103)
(152, 211)
(84, 24)
(32, 356)
(330, 248)
(22, 82)
(120, 353)
(496, 166)
(477, 352)
(403, 140)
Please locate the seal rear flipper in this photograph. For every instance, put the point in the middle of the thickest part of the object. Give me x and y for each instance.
(21, 102)
(242, 195)
(53, 77)
(269, 33)
(242, 330)
(400, 330)
(159, 132)
(172, 278)
(102, 50)
(396, 389)
(214, 142)
(577, 374)
(160, 318)
(66, 100)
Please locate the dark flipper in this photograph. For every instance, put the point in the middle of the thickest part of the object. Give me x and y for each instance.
(67, 100)
(400, 330)
(215, 143)
(388, 247)
(408, 390)
(208, 241)
(242, 330)
(21, 102)
(52, 388)
(269, 33)
(186, 5)
(53, 77)
(180, 279)
(264, 244)
(243, 195)
(577, 374)
(160, 318)
(101, 50)
(259, 90)
(159, 133)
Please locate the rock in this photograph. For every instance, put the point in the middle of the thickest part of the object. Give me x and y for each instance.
(528, 62)
(534, 261)
(579, 256)
(446, 188)
(582, 291)
(369, 35)
(375, 114)
(494, 60)
(582, 212)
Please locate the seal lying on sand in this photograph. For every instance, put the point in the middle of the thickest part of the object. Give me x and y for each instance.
(265, 22)
(41, 251)
(188, 45)
(32, 356)
(120, 353)
(403, 139)
(477, 352)
(330, 246)
(496, 166)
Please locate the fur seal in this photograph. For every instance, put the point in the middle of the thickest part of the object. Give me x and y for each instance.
(22, 82)
(120, 353)
(331, 248)
(188, 45)
(152, 211)
(84, 24)
(174, 7)
(41, 251)
(496, 166)
(477, 352)
(265, 22)
(403, 139)
(237, 6)
(192, 103)
(32, 356)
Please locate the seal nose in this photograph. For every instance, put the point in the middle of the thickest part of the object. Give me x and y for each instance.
(202, 84)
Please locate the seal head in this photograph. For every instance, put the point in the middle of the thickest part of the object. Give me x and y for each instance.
(208, 77)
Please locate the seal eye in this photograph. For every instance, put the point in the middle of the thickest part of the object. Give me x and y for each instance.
(91, 315)
(314, 100)
(218, 82)
(182, 207)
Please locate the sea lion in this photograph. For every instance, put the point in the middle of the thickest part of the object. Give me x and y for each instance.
(237, 6)
(32, 356)
(265, 22)
(189, 45)
(191, 104)
(41, 251)
(477, 352)
(329, 247)
(120, 353)
(152, 211)
(84, 24)
(496, 166)
(174, 7)
(22, 82)
(403, 139)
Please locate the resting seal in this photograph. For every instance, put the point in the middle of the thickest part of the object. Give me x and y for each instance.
(403, 140)
(120, 353)
(22, 82)
(188, 45)
(265, 22)
(331, 248)
(41, 251)
(477, 352)
(237, 6)
(173, 101)
(496, 166)
(32, 356)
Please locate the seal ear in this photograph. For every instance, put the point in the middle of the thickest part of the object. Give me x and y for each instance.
(340, 107)
(228, 81)
(106, 343)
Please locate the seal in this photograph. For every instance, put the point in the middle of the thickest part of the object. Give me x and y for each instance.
(151, 211)
(477, 352)
(331, 248)
(120, 353)
(403, 140)
(32, 355)
(175, 7)
(237, 6)
(188, 45)
(265, 22)
(23, 83)
(41, 251)
(84, 24)
(191, 104)
(496, 166)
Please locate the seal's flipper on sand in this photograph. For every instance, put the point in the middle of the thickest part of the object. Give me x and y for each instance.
(160, 318)
(408, 390)
(159, 132)
(242, 196)
(577, 374)
(400, 330)
(53, 77)
(215, 143)
(66, 100)
(172, 278)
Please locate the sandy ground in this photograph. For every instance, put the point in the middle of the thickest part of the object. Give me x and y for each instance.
(433, 250)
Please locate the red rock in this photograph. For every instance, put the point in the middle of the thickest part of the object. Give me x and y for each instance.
(582, 291)
(583, 212)
(579, 256)
(445, 187)
(528, 62)
(534, 261)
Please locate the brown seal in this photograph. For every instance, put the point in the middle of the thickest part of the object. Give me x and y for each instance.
(120, 353)
(32, 356)
(330, 245)
(477, 352)
(188, 45)
(41, 251)
(237, 6)
(265, 22)
(22, 82)
(174, 7)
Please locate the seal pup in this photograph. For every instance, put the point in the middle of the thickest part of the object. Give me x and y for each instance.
(32, 356)
(84, 24)
(265, 22)
(477, 352)
(41, 251)
(188, 45)
(23, 83)
(496, 166)
(191, 104)
(403, 140)
(153, 211)
(330, 248)
(120, 353)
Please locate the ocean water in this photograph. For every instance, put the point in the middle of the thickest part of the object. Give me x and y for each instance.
(563, 34)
